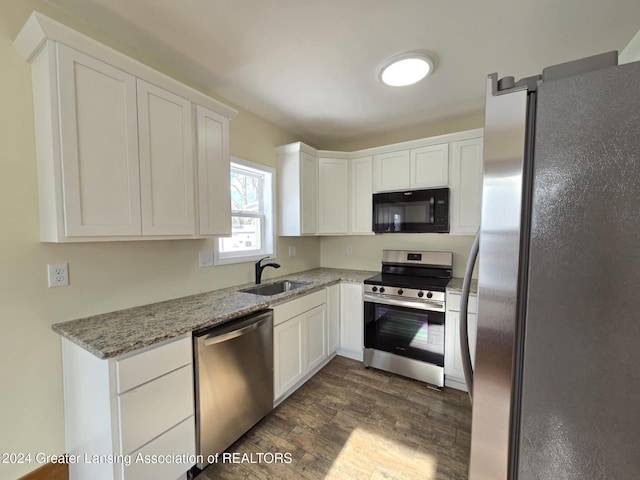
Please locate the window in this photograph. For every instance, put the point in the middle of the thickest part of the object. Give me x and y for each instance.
(252, 222)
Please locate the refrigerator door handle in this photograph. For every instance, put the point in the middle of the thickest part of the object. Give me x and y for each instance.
(463, 323)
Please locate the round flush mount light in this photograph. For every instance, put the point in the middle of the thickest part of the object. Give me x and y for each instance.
(406, 69)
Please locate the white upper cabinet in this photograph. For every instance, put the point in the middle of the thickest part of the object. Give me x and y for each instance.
(466, 186)
(214, 196)
(361, 195)
(415, 168)
(309, 198)
(167, 181)
(116, 144)
(298, 190)
(333, 196)
(98, 142)
(430, 166)
(331, 193)
(392, 171)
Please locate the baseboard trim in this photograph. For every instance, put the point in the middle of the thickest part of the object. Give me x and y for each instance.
(50, 471)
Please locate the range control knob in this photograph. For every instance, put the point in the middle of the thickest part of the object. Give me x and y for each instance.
(400, 292)
(374, 289)
(429, 294)
(421, 294)
(381, 289)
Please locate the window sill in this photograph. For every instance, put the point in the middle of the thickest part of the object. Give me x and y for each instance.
(243, 259)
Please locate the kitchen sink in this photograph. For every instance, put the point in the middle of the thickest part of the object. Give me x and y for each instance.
(275, 288)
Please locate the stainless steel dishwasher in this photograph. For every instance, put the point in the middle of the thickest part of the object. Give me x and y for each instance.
(233, 380)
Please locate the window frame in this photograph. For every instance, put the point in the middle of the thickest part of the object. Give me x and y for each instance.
(268, 213)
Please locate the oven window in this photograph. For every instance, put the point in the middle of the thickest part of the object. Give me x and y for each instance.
(413, 333)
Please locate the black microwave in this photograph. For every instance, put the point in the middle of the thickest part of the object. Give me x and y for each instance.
(414, 211)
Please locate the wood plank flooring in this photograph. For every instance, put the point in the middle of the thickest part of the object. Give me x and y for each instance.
(348, 422)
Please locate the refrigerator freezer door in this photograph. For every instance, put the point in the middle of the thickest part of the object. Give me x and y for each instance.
(581, 387)
(504, 150)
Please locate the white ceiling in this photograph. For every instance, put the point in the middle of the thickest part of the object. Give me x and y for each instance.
(311, 66)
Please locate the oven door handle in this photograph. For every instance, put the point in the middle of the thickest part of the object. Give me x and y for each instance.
(403, 302)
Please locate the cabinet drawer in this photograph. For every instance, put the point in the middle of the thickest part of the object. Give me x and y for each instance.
(285, 311)
(155, 407)
(453, 302)
(142, 367)
(180, 440)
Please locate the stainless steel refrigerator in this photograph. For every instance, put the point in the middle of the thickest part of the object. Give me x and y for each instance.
(556, 386)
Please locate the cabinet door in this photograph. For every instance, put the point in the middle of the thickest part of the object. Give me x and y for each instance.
(316, 333)
(351, 320)
(166, 162)
(180, 440)
(430, 166)
(333, 196)
(452, 362)
(154, 407)
(214, 196)
(309, 194)
(333, 318)
(361, 195)
(289, 361)
(466, 186)
(392, 171)
(453, 350)
(458, 370)
(99, 147)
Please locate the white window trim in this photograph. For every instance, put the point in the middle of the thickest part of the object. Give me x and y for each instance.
(269, 229)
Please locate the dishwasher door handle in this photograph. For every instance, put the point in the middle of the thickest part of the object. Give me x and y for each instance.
(214, 338)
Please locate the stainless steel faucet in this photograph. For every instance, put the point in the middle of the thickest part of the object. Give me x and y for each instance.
(260, 268)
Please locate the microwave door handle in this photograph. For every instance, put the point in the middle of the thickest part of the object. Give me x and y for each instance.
(464, 307)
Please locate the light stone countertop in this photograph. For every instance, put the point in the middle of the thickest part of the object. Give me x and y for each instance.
(455, 285)
(112, 334)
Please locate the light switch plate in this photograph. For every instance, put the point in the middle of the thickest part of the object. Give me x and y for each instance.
(292, 250)
(206, 259)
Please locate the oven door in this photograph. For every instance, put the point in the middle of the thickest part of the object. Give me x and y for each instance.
(411, 329)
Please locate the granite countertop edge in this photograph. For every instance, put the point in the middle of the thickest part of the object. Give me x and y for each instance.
(113, 334)
(455, 286)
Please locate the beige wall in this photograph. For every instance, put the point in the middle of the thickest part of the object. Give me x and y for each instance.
(631, 52)
(104, 276)
(424, 131)
(367, 250)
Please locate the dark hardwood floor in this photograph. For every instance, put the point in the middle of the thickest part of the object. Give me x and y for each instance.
(348, 422)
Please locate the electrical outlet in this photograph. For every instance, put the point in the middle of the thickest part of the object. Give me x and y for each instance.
(206, 259)
(349, 249)
(58, 274)
(292, 250)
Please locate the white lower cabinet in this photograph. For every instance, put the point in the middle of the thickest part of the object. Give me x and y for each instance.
(351, 321)
(316, 332)
(120, 411)
(333, 318)
(299, 341)
(453, 369)
(289, 355)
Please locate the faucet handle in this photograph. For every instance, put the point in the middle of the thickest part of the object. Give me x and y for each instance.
(263, 258)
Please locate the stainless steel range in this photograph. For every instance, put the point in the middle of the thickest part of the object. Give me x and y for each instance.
(404, 309)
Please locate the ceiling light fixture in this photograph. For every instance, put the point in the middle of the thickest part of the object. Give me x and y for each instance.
(406, 69)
